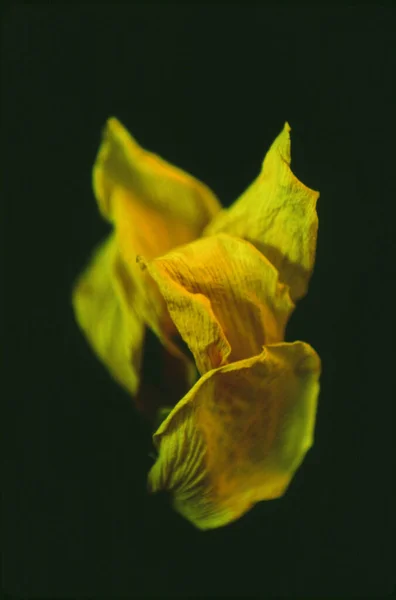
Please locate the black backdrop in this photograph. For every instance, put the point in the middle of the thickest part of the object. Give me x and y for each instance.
(208, 87)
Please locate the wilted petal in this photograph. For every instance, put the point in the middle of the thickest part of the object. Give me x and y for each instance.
(277, 214)
(224, 298)
(239, 435)
(104, 309)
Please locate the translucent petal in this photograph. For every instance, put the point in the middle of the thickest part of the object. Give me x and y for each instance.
(277, 214)
(239, 435)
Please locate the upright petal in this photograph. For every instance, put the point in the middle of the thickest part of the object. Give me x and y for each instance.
(277, 214)
(153, 205)
(104, 309)
(239, 435)
(224, 298)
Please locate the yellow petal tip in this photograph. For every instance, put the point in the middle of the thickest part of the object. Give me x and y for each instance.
(113, 124)
(117, 135)
(281, 147)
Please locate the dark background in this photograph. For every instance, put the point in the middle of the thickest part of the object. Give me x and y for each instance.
(207, 87)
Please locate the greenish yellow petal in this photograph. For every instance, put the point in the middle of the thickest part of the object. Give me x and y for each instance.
(103, 301)
(164, 380)
(277, 214)
(239, 435)
(224, 297)
(108, 303)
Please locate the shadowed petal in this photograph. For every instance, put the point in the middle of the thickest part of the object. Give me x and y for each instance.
(277, 214)
(239, 435)
(164, 380)
(103, 305)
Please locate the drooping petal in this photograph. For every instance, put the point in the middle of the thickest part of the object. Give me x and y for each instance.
(239, 435)
(224, 298)
(104, 309)
(277, 214)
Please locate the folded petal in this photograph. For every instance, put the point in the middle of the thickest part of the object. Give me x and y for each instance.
(224, 297)
(104, 308)
(239, 435)
(277, 214)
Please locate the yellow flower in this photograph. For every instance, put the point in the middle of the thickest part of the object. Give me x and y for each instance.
(226, 281)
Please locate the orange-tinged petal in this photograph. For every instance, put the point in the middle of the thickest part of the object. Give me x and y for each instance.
(104, 308)
(239, 435)
(224, 297)
(277, 214)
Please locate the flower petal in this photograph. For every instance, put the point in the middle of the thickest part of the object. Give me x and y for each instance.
(239, 435)
(224, 298)
(277, 214)
(103, 305)
(153, 205)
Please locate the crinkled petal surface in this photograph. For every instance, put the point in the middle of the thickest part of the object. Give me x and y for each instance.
(239, 435)
(224, 297)
(277, 214)
(104, 309)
